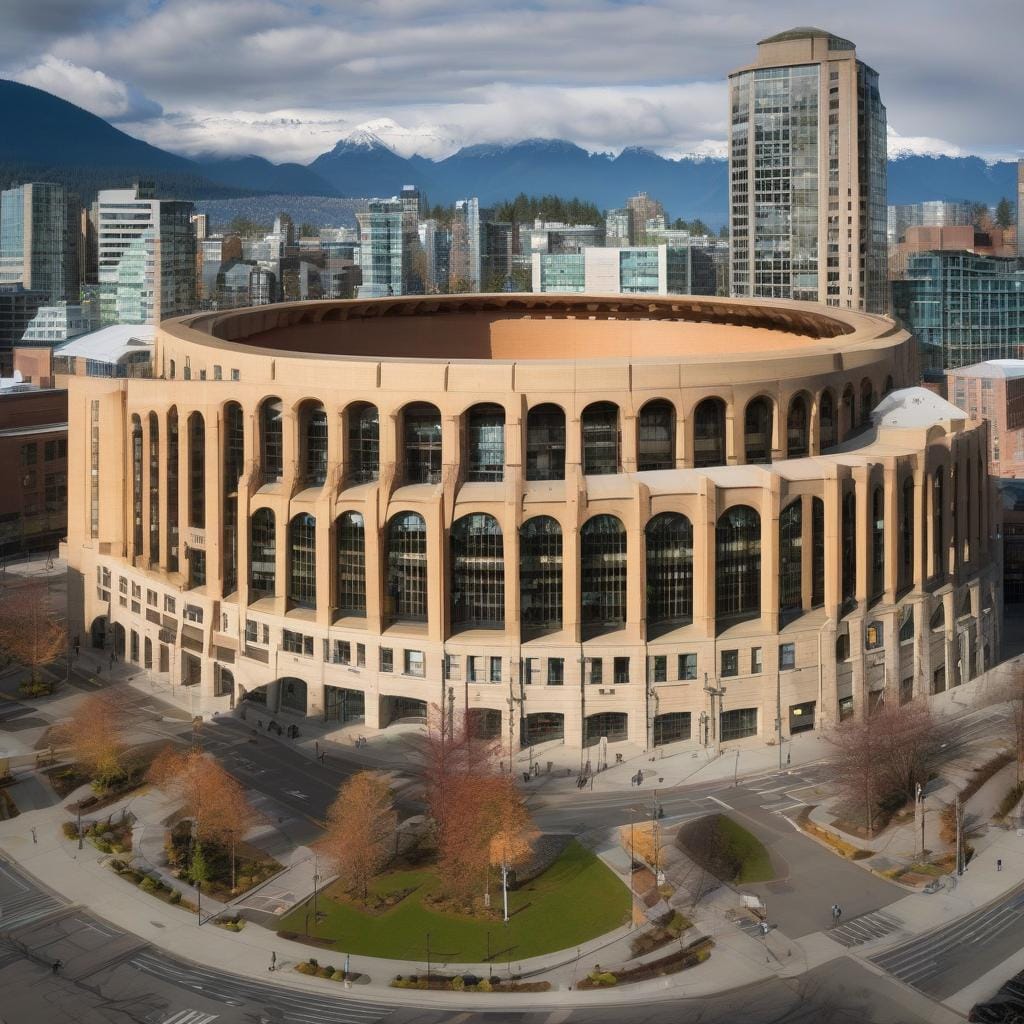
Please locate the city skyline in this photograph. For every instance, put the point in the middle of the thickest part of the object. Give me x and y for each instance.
(391, 65)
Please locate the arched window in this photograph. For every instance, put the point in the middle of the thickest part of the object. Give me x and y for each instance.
(350, 541)
(938, 520)
(262, 554)
(791, 558)
(196, 471)
(867, 402)
(234, 464)
(136, 486)
(540, 575)
(172, 490)
(545, 443)
(302, 560)
(422, 430)
(827, 432)
(407, 567)
(478, 572)
(600, 426)
(877, 542)
(656, 436)
(709, 433)
(486, 436)
(849, 546)
(907, 533)
(757, 430)
(363, 453)
(313, 434)
(848, 420)
(603, 573)
(669, 543)
(817, 552)
(738, 564)
(271, 440)
(154, 487)
(797, 445)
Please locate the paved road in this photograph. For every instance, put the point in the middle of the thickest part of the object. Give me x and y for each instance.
(948, 959)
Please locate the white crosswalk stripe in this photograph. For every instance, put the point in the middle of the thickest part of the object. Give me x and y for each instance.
(191, 1017)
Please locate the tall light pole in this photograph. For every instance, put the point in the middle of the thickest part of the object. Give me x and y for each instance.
(778, 711)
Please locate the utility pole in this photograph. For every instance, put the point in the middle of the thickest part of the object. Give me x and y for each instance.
(778, 711)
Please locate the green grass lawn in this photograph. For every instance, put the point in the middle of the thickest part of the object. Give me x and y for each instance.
(576, 899)
(754, 863)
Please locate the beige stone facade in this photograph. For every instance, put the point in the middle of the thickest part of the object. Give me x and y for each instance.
(439, 538)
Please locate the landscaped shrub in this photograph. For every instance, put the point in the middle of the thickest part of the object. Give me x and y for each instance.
(603, 979)
(457, 983)
(149, 884)
(175, 896)
(1012, 798)
(70, 830)
(483, 985)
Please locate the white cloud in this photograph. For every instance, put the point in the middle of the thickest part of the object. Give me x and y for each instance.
(96, 91)
(920, 145)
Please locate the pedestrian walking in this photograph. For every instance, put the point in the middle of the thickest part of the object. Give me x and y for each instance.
(837, 913)
(273, 962)
(34, 840)
(57, 965)
(999, 863)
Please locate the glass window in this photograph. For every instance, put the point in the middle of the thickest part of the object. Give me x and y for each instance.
(787, 656)
(387, 659)
(938, 521)
(494, 674)
(738, 564)
(556, 671)
(877, 544)
(600, 426)
(603, 582)
(790, 558)
(545, 443)
(849, 541)
(154, 487)
(271, 440)
(251, 634)
(540, 575)
(907, 625)
(314, 444)
(361, 655)
(826, 421)
(172, 491)
(302, 560)
(738, 723)
(796, 429)
(756, 661)
(595, 671)
(415, 664)
(817, 552)
(709, 433)
(687, 666)
(196, 470)
(757, 430)
(452, 667)
(656, 436)
(136, 483)
(621, 671)
(351, 567)
(730, 663)
(407, 568)
(234, 465)
(478, 572)
(422, 426)
(486, 436)
(262, 554)
(874, 635)
(658, 668)
(673, 727)
(669, 541)
(609, 725)
(363, 453)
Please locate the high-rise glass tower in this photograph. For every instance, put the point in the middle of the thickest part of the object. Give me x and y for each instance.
(807, 172)
(39, 227)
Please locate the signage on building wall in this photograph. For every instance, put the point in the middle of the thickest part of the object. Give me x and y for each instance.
(196, 538)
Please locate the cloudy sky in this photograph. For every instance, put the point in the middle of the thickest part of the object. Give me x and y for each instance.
(287, 78)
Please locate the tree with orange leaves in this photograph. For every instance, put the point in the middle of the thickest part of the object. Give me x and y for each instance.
(360, 830)
(94, 735)
(30, 632)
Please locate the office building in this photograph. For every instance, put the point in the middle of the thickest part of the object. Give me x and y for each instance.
(18, 308)
(994, 391)
(146, 256)
(388, 243)
(572, 511)
(937, 213)
(962, 308)
(807, 172)
(53, 325)
(499, 265)
(646, 216)
(992, 241)
(464, 267)
(630, 270)
(1020, 208)
(616, 228)
(39, 240)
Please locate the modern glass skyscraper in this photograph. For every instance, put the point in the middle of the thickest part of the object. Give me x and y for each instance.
(807, 171)
(147, 256)
(388, 243)
(39, 227)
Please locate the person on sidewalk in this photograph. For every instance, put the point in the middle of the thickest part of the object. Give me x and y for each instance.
(837, 913)
(273, 962)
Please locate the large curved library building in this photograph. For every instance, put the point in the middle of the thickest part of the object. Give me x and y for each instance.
(575, 519)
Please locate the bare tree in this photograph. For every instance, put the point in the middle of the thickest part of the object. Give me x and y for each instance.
(910, 741)
(30, 632)
(856, 766)
(1014, 695)
(360, 830)
(94, 735)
